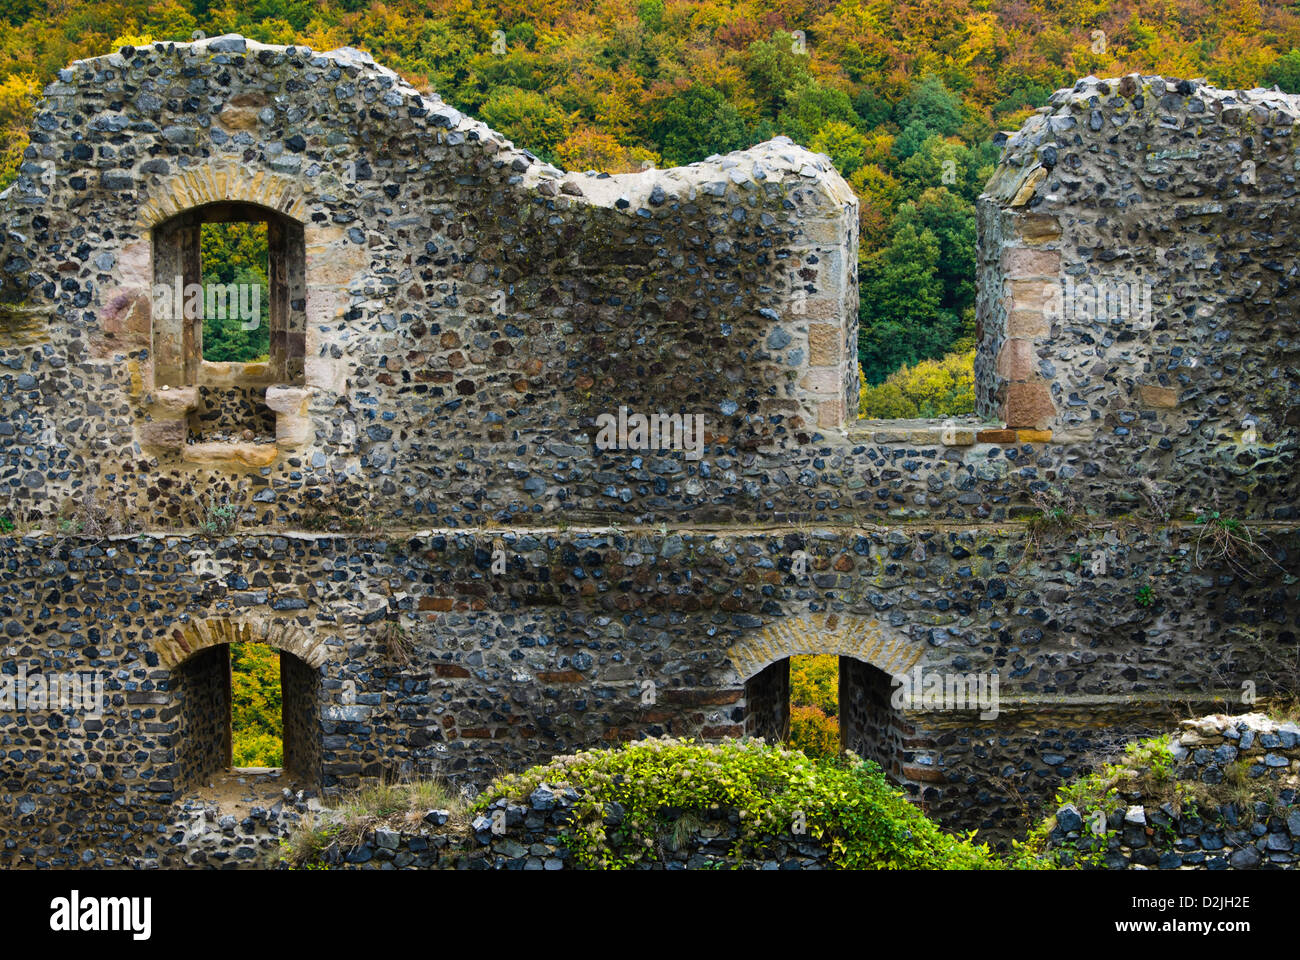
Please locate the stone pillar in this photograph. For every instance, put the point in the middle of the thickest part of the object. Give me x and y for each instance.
(830, 380)
(1021, 292)
(288, 299)
(1032, 291)
(767, 702)
(176, 261)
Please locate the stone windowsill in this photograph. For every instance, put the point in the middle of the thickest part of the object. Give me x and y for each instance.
(962, 431)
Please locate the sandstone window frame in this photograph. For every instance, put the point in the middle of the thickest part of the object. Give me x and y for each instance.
(177, 341)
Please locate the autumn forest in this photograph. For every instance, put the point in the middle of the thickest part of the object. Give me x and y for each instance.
(906, 98)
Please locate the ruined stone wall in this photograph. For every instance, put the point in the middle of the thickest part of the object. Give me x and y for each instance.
(1241, 812)
(200, 734)
(463, 301)
(871, 726)
(551, 656)
(1133, 262)
(467, 314)
(303, 736)
(767, 702)
(531, 841)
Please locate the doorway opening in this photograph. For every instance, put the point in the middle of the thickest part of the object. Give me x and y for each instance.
(247, 707)
(865, 720)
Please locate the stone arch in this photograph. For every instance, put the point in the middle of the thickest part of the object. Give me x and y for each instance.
(870, 654)
(189, 639)
(198, 658)
(220, 183)
(865, 639)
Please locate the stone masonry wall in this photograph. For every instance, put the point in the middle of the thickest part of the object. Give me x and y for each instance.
(767, 702)
(200, 735)
(230, 412)
(469, 313)
(1233, 834)
(869, 724)
(301, 699)
(510, 670)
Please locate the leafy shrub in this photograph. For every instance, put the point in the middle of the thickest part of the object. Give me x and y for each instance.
(1284, 72)
(848, 805)
(814, 682)
(816, 734)
(254, 749)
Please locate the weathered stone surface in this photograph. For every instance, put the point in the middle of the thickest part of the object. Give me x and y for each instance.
(1179, 837)
(1161, 397)
(414, 480)
(1029, 405)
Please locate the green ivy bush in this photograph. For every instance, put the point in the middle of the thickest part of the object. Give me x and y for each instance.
(845, 804)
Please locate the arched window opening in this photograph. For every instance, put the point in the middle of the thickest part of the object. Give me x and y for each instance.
(229, 316)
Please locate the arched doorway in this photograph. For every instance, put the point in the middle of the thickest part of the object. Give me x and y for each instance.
(201, 687)
(870, 655)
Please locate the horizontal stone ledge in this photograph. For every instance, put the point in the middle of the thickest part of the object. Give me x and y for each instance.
(865, 527)
(234, 374)
(230, 454)
(1072, 710)
(951, 432)
(172, 402)
(923, 774)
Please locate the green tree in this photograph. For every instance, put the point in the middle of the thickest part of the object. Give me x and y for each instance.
(696, 123)
(774, 67)
(810, 107)
(1285, 73)
(527, 117)
(900, 316)
(951, 220)
(842, 143)
(236, 253)
(929, 108)
(872, 108)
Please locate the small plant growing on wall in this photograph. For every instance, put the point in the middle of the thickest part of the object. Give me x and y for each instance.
(1056, 514)
(89, 517)
(1226, 539)
(397, 645)
(218, 518)
(1145, 595)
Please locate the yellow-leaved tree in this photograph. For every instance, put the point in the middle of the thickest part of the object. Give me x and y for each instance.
(18, 93)
(930, 389)
(814, 704)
